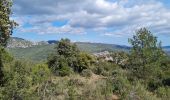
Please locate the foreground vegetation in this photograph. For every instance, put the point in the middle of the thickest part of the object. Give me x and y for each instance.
(70, 74)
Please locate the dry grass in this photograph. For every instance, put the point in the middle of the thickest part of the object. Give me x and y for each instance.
(76, 87)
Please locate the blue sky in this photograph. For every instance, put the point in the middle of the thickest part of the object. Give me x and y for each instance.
(104, 21)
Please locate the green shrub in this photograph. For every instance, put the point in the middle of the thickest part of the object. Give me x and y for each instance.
(59, 66)
(104, 68)
(40, 73)
(130, 90)
(163, 92)
(68, 57)
(86, 73)
(101, 90)
(5, 58)
(121, 86)
(139, 91)
(84, 61)
(65, 71)
(72, 93)
(18, 81)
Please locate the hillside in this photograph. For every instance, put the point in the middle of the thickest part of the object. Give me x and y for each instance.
(39, 51)
(99, 47)
(22, 43)
(35, 53)
(167, 48)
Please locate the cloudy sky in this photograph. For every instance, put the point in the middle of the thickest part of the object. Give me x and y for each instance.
(104, 21)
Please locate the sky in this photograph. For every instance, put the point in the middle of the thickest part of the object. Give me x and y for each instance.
(101, 21)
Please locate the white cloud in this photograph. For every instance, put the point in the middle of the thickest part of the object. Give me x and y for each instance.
(123, 16)
(50, 29)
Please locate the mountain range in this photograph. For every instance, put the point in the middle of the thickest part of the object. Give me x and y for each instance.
(38, 51)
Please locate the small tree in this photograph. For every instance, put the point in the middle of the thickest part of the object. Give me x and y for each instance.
(64, 57)
(66, 48)
(40, 73)
(84, 61)
(146, 56)
(6, 25)
(68, 57)
(6, 28)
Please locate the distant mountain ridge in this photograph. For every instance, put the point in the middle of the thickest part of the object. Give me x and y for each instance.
(38, 51)
(15, 42)
(100, 47)
(52, 41)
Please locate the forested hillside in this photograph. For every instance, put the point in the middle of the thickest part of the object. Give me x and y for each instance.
(38, 51)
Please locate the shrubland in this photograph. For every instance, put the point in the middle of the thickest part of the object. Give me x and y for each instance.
(70, 74)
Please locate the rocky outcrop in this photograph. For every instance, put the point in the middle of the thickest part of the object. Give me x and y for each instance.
(15, 42)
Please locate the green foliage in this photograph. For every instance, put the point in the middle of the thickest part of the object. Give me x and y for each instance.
(35, 53)
(72, 93)
(83, 61)
(66, 48)
(166, 73)
(100, 47)
(67, 58)
(121, 84)
(139, 92)
(59, 65)
(129, 76)
(120, 58)
(6, 28)
(163, 92)
(41, 52)
(65, 70)
(86, 73)
(5, 57)
(63, 59)
(18, 81)
(40, 73)
(129, 90)
(24, 80)
(101, 90)
(146, 56)
(104, 68)
(6, 25)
